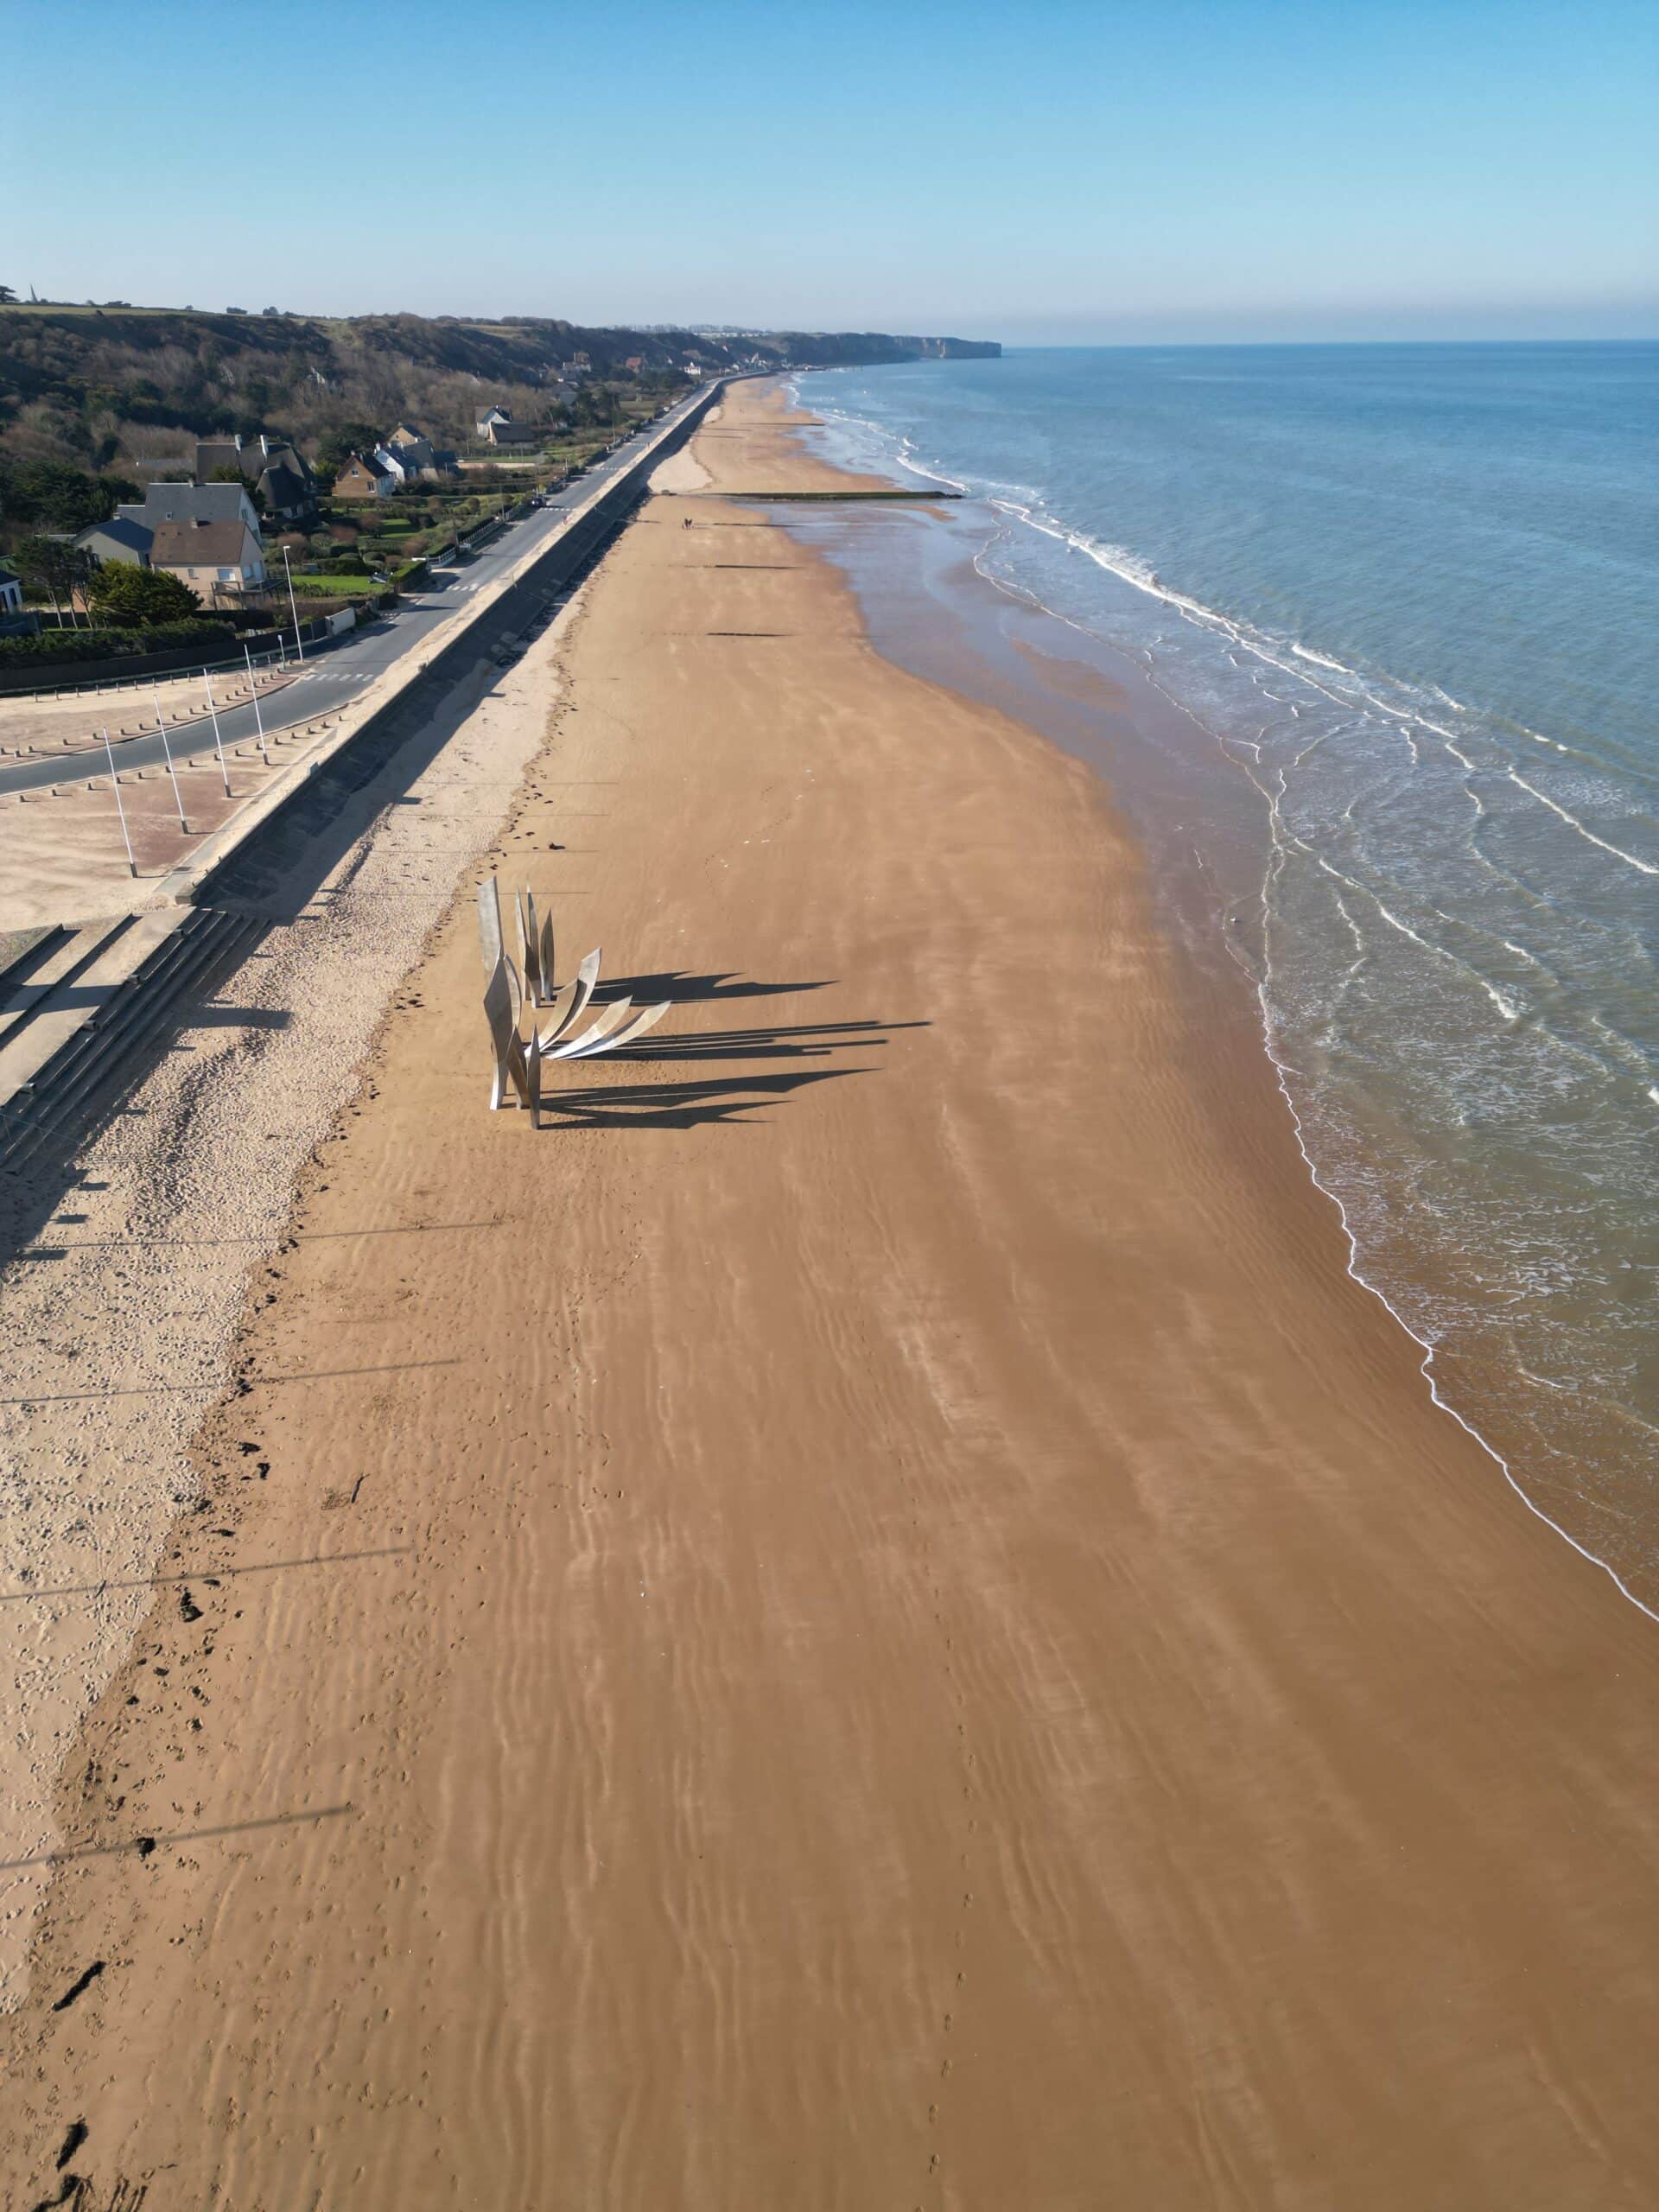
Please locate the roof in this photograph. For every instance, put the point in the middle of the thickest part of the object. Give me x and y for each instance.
(365, 462)
(406, 435)
(285, 456)
(135, 536)
(199, 544)
(187, 503)
(284, 486)
(221, 452)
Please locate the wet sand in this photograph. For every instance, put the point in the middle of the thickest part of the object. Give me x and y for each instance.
(870, 1620)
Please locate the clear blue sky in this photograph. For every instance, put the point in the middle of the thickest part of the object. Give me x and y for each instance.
(1050, 172)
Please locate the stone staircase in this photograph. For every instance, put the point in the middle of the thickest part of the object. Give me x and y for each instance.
(80, 1011)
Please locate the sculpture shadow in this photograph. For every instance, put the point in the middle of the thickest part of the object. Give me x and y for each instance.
(686, 990)
(797, 1041)
(729, 1099)
(726, 1099)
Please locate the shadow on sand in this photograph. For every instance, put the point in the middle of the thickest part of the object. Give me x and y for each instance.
(726, 1099)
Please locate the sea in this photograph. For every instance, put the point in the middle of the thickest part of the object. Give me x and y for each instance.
(1408, 593)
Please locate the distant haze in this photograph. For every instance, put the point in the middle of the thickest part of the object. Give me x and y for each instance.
(1066, 172)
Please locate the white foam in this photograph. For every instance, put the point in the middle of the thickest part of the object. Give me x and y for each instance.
(1574, 823)
(1426, 1368)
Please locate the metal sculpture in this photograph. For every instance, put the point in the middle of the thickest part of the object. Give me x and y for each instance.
(530, 984)
(535, 949)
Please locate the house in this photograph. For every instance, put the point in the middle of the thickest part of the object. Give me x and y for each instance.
(288, 487)
(486, 423)
(515, 434)
(215, 558)
(420, 457)
(401, 472)
(15, 622)
(364, 480)
(284, 480)
(117, 540)
(413, 449)
(634, 363)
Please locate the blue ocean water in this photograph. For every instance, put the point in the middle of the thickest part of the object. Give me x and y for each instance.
(1409, 593)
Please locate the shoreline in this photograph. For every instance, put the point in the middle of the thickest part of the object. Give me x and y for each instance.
(1580, 1478)
(1503, 1255)
(925, 1644)
(1197, 900)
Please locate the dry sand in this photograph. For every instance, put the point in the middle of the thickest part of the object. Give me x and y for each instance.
(870, 1620)
(121, 1311)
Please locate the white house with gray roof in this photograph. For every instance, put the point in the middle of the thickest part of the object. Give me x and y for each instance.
(207, 535)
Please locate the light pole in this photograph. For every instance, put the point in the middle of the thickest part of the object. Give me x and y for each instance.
(115, 786)
(219, 742)
(166, 751)
(258, 719)
(292, 608)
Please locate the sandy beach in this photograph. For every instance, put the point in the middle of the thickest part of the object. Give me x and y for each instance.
(870, 1618)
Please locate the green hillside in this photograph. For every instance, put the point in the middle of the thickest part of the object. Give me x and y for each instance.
(116, 388)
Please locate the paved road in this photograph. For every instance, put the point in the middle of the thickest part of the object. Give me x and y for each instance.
(338, 672)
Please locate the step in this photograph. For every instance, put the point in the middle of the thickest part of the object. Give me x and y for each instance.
(41, 1015)
(53, 1106)
(107, 1049)
(62, 961)
(33, 946)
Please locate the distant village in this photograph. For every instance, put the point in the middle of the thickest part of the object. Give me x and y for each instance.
(209, 531)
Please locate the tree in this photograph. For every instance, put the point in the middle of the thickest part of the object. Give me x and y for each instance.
(8, 297)
(135, 598)
(55, 496)
(339, 445)
(53, 565)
